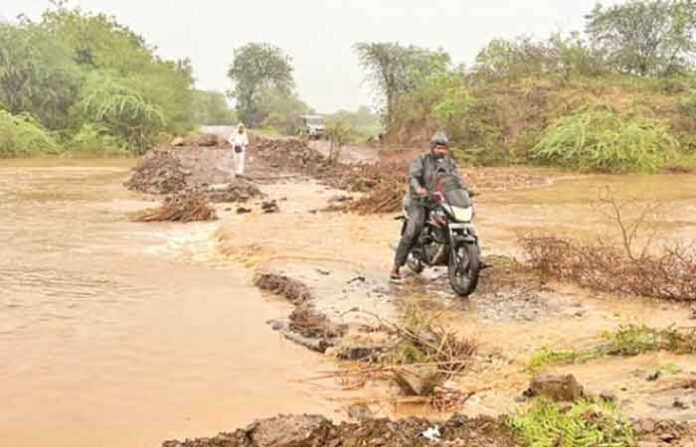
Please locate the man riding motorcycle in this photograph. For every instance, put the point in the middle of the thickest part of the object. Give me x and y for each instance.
(422, 174)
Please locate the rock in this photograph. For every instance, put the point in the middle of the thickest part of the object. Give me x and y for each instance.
(418, 380)
(680, 404)
(360, 353)
(359, 412)
(242, 210)
(644, 426)
(279, 325)
(654, 376)
(178, 141)
(668, 437)
(563, 388)
(319, 345)
(270, 207)
(285, 430)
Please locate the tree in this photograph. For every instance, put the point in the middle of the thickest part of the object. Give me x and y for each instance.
(256, 67)
(280, 109)
(99, 43)
(563, 55)
(394, 69)
(646, 37)
(37, 74)
(211, 108)
(125, 113)
(339, 133)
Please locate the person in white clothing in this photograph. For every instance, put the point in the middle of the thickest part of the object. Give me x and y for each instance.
(239, 141)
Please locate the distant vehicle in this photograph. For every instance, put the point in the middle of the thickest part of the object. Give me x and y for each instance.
(312, 126)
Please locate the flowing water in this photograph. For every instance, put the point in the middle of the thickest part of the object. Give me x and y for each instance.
(114, 333)
(121, 334)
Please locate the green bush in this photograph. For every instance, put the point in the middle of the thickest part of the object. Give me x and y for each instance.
(124, 113)
(94, 142)
(688, 104)
(22, 136)
(584, 424)
(601, 141)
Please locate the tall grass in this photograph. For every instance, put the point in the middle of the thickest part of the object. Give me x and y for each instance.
(601, 141)
(22, 136)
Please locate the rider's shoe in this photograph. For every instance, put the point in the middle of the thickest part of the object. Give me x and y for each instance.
(395, 276)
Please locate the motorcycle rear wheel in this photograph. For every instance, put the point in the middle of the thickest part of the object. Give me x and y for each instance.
(463, 269)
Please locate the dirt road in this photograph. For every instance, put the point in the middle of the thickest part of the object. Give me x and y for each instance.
(306, 245)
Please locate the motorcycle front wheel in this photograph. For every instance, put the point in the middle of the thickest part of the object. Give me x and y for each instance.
(415, 264)
(463, 269)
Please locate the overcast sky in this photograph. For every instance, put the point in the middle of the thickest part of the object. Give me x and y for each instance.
(319, 34)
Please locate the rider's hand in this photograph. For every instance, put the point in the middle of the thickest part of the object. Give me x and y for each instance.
(421, 192)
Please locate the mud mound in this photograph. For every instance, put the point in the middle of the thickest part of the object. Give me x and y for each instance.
(290, 154)
(170, 168)
(386, 197)
(312, 324)
(293, 290)
(158, 172)
(666, 433)
(383, 182)
(316, 431)
(202, 140)
(239, 191)
(206, 140)
(188, 206)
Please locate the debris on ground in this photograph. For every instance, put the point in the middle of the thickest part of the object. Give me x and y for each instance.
(205, 140)
(665, 433)
(316, 431)
(270, 207)
(418, 380)
(310, 323)
(557, 387)
(158, 172)
(242, 210)
(320, 345)
(669, 274)
(183, 164)
(291, 289)
(237, 191)
(189, 206)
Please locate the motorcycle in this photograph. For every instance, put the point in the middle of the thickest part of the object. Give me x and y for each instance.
(449, 236)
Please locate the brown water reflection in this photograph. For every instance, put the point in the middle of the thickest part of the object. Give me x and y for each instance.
(108, 338)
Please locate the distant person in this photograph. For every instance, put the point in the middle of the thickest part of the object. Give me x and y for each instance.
(239, 141)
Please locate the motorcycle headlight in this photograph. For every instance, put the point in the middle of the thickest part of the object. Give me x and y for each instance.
(463, 214)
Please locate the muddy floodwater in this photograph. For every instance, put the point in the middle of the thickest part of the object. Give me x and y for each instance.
(122, 334)
(114, 333)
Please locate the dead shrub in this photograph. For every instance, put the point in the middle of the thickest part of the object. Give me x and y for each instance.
(188, 206)
(422, 340)
(668, 272)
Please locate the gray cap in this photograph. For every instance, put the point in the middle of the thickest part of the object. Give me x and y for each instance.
(439, 138)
